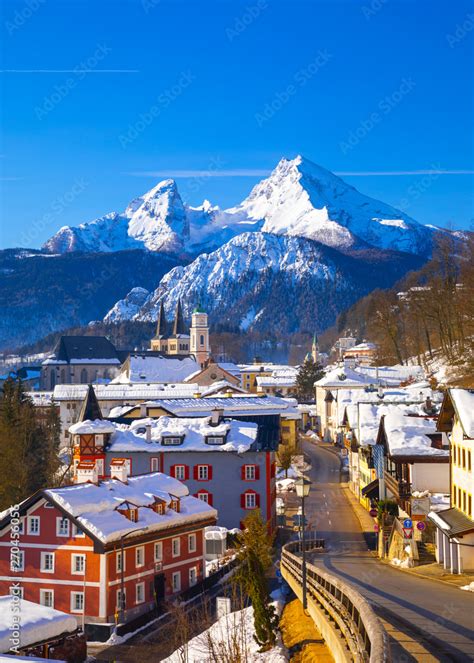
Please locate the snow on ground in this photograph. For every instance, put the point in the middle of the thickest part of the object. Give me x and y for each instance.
(222, 633)
(468, 588)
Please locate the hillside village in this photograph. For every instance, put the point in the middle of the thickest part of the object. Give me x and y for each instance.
(163, 454)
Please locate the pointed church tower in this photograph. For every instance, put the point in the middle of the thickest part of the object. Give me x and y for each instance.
(200, 346)
(160, 341)
(178, 325)
(89, 438)
(178, 341)
(315, 349)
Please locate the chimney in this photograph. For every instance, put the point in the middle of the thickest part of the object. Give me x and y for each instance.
(216, 415)
(148, 433)
(380, 391)
(119, 470)
(142, 409)
(197, 394)
(86, 472)
(428, 404)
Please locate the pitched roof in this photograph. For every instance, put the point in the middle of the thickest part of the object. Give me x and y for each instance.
(452, 521)
(90, 409)
(463, 401)
(70, 348)
(178, 324)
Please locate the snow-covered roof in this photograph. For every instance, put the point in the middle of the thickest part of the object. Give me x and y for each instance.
(392, 375)
(463, 401)
(407, 435)
(88, 427)
(215, 533)
(157, 368)
(41, 398)
(239, 435)
(94, 506)
(238, 404)
(220, 386)
(276, 381)
(361, 347)
(231, 368)
(124, 392)
(255, 368)
(37, 622)
(344, 378)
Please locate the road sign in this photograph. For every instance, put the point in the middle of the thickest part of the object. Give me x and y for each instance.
(223, 606)
(407, 532)
(297, 519)
(373, 513)
(421, 525)
(407, 523)
(376, 528)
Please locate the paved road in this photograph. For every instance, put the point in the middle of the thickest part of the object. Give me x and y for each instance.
(430, 621)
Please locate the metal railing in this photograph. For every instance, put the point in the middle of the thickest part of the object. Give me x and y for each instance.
(339, 603)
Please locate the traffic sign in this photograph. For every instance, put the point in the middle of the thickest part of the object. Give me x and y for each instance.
(421, 525)
(407, 532)
(408, 523)
(373, 513)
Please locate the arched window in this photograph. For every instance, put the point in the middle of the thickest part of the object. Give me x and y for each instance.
(84, 376)
(63, 376)
(202, 339)
(52, 378)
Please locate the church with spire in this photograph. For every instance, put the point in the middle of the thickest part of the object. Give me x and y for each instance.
(175, 339)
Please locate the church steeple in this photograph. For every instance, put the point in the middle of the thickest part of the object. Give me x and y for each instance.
(90, 409)
(161, 325)
(178, 325)
(315, 348)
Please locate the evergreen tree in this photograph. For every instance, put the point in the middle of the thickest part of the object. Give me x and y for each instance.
(255, 555)
(285, 458)
(28, 446)
(309, 373)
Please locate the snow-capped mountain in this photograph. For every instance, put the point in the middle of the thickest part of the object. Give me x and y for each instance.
(268, 281)
(299, 199)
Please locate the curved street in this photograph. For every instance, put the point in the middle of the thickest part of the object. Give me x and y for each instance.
(427, 620)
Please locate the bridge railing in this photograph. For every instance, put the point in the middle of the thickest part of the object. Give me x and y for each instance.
(339, 605)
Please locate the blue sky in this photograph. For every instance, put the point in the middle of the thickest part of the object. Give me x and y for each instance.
(101, 99)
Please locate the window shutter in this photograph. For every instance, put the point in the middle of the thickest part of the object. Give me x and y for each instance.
(257, 499)
(173, 471)
(186, 471)
(257, 472)
(195, 473)
(242, 500)
(242, 472)
(209, 472)
(210, 499)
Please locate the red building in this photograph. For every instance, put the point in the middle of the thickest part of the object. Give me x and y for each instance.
(63, 547)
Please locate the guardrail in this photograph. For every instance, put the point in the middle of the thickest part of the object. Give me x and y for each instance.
(345, 619)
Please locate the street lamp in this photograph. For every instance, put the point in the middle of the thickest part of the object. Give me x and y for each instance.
(280, 509)
(122, 575)
(303, 486)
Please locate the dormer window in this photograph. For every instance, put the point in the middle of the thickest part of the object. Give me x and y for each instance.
(175, 505)
(172, 440)
(133, 514)
(215, 440)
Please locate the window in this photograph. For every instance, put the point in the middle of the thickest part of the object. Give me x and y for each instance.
(84, 379)
(469, 505)
(121, 600)
(192, 543)
(469, 461)
(33, 525)
(176, 547)
(154, 464)
(77, 601)
(250, 500)
(47, 562)
(201, 339)
(17, 561)
(62, 527)
(133, 514)
(193, 577)
(76, 531)
(215, 439)
(140, 592)
(119, 561)
(48, 505)
(205, 496)
(464, 459)
(180, 472)
(47, 597)
(140, 556)
(158, 552)
(176, 581)
(203, 472)
(249, 472)
(171, 441)
(78, 564)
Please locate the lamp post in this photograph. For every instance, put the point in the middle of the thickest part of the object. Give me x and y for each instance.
(122, 567)
(303, 486)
